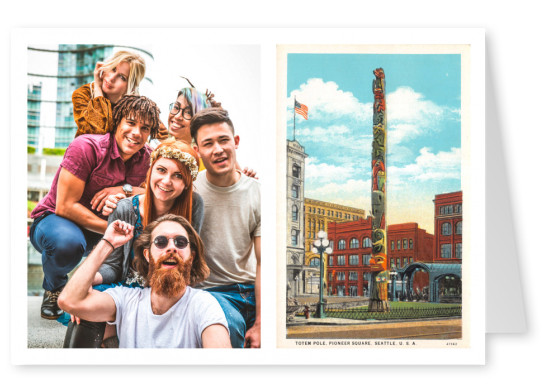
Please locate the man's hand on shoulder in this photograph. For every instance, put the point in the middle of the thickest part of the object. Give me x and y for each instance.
(111, 203)
(98, 201)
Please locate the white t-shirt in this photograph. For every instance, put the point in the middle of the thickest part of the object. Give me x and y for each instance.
(180, 327)
(231, 221)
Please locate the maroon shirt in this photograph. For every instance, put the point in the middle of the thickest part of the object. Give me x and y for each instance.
(96, 160)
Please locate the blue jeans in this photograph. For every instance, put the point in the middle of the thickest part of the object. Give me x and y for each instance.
(62, 244)
(239, 305)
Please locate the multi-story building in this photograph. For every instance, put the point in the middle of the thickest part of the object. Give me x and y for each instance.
(448, 227)
(296, 271)
(54, 72)
(407, 243)
(318, 215)
(348, 271)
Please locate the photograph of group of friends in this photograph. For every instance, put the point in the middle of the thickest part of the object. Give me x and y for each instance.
(165, 216)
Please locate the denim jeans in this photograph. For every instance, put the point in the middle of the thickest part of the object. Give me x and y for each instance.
(62, 244)
(239, 305)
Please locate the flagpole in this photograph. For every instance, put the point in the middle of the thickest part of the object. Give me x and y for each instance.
(294, 115)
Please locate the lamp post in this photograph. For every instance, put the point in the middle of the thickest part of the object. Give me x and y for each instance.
(321, 245)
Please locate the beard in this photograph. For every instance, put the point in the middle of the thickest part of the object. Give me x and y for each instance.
(169, 282)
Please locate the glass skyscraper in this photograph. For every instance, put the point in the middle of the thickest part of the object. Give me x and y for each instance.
(53, 74)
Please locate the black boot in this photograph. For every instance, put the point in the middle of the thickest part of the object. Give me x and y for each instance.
(49, 308)
(84, 335)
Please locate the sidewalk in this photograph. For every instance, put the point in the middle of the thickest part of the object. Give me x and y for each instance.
(339, 328)
(42, 333)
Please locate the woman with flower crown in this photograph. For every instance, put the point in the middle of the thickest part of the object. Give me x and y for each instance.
(169, 189)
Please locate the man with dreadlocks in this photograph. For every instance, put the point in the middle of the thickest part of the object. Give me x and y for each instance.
(68, 222)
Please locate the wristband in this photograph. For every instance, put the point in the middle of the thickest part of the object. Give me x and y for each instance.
(113, 247)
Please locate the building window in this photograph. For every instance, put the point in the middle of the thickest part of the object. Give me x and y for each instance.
(405, 244)
(398, 262)
(341, 260)
(458, 250)
(410, 260)
(295, 213)
(411, 244)
(342, 244)
(392, 244)
(353, 260)
(294, 191)
(398, 244)
(353, 290)
(365, 259)
(366, 242)
(366, 276)
(458, 208)
(352, 276)
(459, 228)
(446, 229)
(294, 237)
(331, 244)
(392, 263)
(296, 171)
(341, 276)
(340, 290)
(330, 260)
(354, 243)
(446, 251)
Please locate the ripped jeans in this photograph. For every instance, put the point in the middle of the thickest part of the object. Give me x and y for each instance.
(239, 305)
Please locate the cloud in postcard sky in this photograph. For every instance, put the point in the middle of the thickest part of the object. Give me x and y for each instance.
(338, 135)
(326, 100)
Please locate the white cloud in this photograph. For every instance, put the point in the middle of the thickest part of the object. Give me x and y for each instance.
(326, 99)
(323, 172)
(428, 166)
(353, 192)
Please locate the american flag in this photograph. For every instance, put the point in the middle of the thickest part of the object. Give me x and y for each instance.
(301, 109)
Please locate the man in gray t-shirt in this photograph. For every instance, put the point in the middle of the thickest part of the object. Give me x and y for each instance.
(168, 313)
(231, 226)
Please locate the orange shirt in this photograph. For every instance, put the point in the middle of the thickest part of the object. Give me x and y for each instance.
(92, 116)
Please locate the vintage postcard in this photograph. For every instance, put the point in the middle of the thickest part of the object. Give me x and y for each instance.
(377, 142)
(369, 148)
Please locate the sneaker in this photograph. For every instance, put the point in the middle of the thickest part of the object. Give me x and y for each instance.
(49, 308)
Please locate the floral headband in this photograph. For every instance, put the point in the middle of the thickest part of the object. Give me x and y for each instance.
(184, 157)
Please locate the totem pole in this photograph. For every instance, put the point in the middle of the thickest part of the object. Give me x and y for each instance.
(379, 266)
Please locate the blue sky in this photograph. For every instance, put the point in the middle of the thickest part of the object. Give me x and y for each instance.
(423, 96)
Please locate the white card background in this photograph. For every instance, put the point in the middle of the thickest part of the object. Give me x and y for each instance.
(517, 71)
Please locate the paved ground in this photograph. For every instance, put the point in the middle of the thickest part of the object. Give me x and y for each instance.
(340, 328)
(42, 333)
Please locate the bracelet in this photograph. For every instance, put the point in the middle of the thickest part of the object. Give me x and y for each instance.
(113, 247)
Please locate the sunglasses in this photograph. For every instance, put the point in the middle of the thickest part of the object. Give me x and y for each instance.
(180, 242)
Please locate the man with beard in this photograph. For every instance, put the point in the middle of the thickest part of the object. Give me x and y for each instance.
(167, 313)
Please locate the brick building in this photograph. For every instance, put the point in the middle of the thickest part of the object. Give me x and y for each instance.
(318, 215)
(348, 271)
(448, 227)
(407, 243)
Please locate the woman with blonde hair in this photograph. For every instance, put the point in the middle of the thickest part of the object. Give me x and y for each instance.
(119, 75)
(169, 189)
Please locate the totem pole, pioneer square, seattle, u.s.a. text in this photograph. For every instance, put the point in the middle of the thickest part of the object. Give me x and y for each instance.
(379, 264)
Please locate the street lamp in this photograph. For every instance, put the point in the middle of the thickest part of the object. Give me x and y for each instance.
(321, 245)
